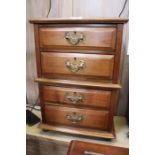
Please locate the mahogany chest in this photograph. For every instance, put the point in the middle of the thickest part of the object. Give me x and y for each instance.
(78, 68)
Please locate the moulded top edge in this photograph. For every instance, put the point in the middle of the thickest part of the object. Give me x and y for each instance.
(78, 20)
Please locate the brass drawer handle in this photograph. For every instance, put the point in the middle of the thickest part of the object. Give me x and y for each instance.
(75, 65)
(74, 98)
(91, 153)
(74, 118)
(73, 37)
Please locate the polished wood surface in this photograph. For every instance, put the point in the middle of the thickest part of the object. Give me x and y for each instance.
(77, 8)
(119, 53)
(87, 148)
(37, 50)
(90, 98)
(79, 20)
(79, 131)
(95, 65)
(78, 70)
(94, 38)
(96, 119)
(77, 83)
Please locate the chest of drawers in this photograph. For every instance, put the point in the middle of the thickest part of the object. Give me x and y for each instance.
(78, 68)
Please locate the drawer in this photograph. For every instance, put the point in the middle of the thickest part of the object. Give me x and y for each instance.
(92, 65)
(77, 97)
(76, 117)
(87, 148)
(99, 38)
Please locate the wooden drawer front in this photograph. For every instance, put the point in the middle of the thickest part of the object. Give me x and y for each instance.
(87, 148)
(103, 38)
(76, 117)
(77, 64)
(77, 97)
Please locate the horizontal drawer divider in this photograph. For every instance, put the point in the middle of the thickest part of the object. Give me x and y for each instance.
(74, 106)
(77, 50)
(78, 83)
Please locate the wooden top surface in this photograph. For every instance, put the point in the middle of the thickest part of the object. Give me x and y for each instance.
(78, 20)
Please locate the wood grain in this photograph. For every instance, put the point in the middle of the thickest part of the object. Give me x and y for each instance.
(91, 98)
(78, 8)
(98, 8)
(59, 8)
(95, 65)
(34, 9)
(38, 60)
(117, 68)
(94, 119)
(87, 8)
(52, 64)
(76, 83)
(77, 20)
(94, 38)
(79, 131)
(80, 148)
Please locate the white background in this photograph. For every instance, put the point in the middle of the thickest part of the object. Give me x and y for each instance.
(13, 77)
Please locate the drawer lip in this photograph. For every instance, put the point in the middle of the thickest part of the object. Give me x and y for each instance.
(91, 84)
(90, 98)
(94, 119)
